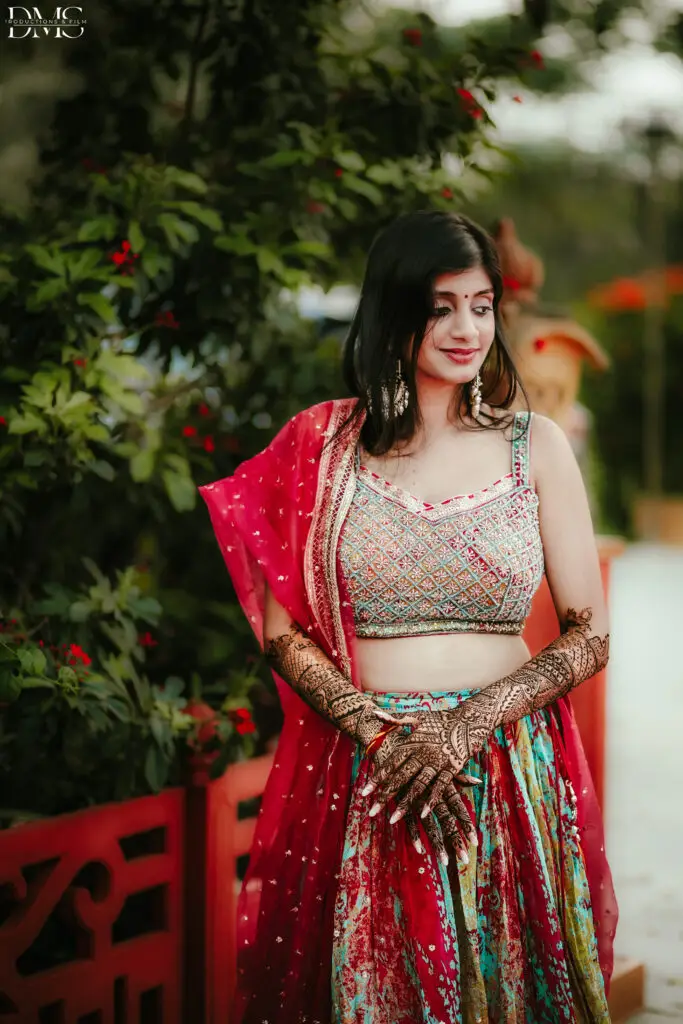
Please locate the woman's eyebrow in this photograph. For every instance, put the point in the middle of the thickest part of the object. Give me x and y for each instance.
(452, 295)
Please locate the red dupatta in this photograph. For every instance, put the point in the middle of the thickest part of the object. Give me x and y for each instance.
(277, 521)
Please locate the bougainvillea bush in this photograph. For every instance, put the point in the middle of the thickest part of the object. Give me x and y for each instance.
(199, 173)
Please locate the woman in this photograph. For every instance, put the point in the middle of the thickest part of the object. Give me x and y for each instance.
(429, 847)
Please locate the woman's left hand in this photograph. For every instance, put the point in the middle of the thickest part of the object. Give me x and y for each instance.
(424, 762)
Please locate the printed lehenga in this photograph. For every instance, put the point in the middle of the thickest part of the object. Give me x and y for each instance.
(340, 919)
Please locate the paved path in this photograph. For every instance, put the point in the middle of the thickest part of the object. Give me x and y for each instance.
(644, 798)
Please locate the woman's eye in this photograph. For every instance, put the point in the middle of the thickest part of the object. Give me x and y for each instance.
(441, 311)
(483, 310)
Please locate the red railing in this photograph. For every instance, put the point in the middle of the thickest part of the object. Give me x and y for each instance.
(91, 926)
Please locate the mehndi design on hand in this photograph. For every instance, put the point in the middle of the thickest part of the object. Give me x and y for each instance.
(445, 746)
(302, 664)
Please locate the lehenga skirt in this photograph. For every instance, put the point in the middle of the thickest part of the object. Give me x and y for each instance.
(508, 938)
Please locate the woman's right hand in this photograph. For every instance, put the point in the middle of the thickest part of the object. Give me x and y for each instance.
(450, 822)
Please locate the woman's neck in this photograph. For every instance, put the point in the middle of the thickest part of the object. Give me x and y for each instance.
(436, 404)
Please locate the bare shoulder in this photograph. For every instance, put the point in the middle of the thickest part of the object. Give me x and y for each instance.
(552, 457)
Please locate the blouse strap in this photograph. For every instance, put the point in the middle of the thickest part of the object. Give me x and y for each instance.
(521, 436)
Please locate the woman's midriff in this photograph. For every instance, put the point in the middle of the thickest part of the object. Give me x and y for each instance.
(454, 661)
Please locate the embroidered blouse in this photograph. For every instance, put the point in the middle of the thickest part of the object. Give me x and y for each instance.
(469, 564)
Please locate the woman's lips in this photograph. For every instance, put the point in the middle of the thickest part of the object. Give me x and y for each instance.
(460, 355)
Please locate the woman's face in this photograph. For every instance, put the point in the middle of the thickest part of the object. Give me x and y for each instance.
(462, 327)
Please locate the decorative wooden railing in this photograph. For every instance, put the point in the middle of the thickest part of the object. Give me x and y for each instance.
(92, 922)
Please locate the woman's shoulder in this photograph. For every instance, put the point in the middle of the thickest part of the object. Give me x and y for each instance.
(551, 452)
(320, 415)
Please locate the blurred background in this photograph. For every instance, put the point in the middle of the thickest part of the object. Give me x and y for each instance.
(187, 195)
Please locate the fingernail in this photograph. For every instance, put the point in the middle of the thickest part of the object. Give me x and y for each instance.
(474, 839)
(396, 816)
(475, 782)
(375, 809)
(464, 859)
(443, 857)
(418, 846)
(368, 789)
(425, 811)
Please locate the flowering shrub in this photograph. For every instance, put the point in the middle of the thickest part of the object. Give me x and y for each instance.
(149, 342)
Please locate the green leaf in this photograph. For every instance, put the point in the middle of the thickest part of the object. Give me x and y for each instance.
(286, 158)
(308, 248)
(186, 230)
(156, 767)
(27, 423)
(239, 244)
(204, 214)
(10, 686)
(32, 660)
(364, 188)
(37, 683)
(103, 469)
(80, 611)
(142, 465)
(49, 290)
(100, 305)
(188, 180)
(42, 257)
(181, 490)
(135, 236)
(98, 228)
(350, 160)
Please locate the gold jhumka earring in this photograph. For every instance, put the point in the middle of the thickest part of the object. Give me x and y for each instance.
(475, 396)
(401, 395)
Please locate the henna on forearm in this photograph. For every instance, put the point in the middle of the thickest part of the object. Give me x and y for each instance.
(573, 657)
(426, 761)
(310, 673)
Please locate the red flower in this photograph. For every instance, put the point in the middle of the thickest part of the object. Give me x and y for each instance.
(413, 36)
(533, 59)
(203, 409)
(189, 431)
(3, 421)
(446, 193)
(314, 207)
(469, 104)
(166, 318)
(82, 363)
(241, 717)
(125, 258)
(77, 653)
(338, 172)
(147, 640)
(511, 284)
(92, 167)
(209, 445)
(540, 344)
(517, 99)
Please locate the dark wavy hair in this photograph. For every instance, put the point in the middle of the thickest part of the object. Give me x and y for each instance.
(396, 304)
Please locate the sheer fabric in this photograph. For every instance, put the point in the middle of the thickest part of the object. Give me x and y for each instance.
(278, 520)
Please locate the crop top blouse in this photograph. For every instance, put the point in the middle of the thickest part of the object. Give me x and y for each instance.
(469, 564)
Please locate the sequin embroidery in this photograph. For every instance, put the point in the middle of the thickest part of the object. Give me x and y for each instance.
(469, 564)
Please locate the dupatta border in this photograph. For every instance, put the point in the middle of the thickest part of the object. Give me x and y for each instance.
(334, 493)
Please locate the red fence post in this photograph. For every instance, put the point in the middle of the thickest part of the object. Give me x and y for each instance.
(216, 838)
(589, 699)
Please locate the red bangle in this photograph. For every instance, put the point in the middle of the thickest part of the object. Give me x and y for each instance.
(379, 739)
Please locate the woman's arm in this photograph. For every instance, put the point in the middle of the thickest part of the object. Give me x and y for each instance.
(311, 674)
(582, 649)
